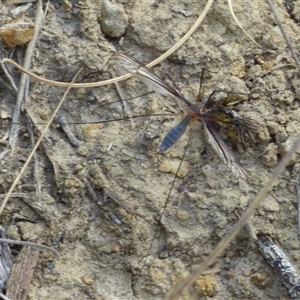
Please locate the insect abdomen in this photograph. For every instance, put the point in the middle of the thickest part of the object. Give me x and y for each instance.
(174, 134)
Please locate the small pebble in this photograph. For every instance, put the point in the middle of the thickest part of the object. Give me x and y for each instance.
(91, 130)
(82, 150)
(262, 281)
(270, 204)
(115, 248)
(206, 286)
(17, 34)
(50, 265)
(171, 166)
(114, 20)
(87, 280)
(163, 254)
(183, 214)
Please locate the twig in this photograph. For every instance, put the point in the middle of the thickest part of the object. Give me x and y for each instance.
(280, 262)
(38, 187)
(22, 273)
(277, 68)
(36, 123)
(37, 145)
(277, 259)
(14, 195)
(14, 130)
(126, 76)
(61, 120)
(187, 283)
(55, 165)
(121, 95)
(251, 230)
(95, 198)
(46, 9)
(30, 244)
(285, 36)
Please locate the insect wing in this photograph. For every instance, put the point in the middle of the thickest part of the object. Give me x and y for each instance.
(228, 116)
(174, 134)
(242, 126)
(146, 75)
(223, 151)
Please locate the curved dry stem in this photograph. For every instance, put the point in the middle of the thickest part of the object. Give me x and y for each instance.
(187, 283)
(24, 243)
(116, 79)
(37, 145)
(65, 84)
(239, 24)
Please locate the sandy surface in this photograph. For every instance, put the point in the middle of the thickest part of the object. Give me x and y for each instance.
(101, 259)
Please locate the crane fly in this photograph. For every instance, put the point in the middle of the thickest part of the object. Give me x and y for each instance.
(209, 111)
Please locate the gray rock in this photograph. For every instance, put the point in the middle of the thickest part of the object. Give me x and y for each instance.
(114, 20)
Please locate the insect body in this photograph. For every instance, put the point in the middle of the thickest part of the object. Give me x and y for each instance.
(209, 111)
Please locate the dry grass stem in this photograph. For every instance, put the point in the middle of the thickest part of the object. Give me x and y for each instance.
(239, 24)
(30, 244)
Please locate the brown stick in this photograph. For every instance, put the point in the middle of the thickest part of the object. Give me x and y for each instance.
(22, 272)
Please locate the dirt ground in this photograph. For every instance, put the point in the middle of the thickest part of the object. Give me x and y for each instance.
(104, 244)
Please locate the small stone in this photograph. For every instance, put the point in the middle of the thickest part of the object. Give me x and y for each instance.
(43, 113)
(171, 166)
(219, 220)
(73, 182)
(255, 95)
(91, 130)
(13, 232)
(82, 150)
(163, 254)
(6, 111)
(50, 265)
(67, 5)
(270, 158)
(183, 214)
(72, 186)
(152, 131)
(269, 204)
(87, 280)
(206, 285)
(106, 248)
(261, 280)
(115, 248)
(17, 34)
(114, 20)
